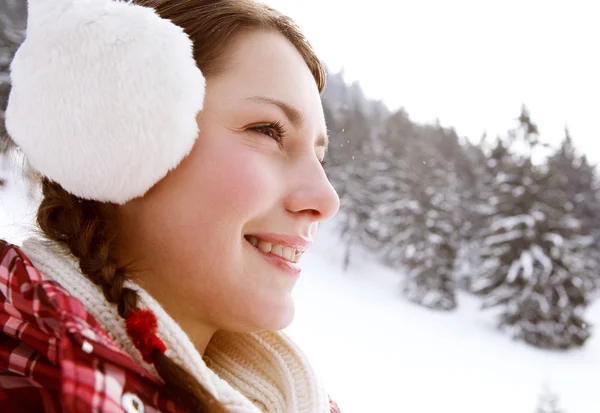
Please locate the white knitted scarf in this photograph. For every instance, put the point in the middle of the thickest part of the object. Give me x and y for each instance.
(248, 373)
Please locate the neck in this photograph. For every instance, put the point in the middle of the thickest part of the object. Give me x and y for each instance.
(200, 333)
(186, 315)
(145, 271)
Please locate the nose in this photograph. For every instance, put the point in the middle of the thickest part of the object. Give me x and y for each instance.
(310, 192)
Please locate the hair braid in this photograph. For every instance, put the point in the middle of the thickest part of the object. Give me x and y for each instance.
(88, 230)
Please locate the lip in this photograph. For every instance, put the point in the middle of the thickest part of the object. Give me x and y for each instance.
(286, 266)
(301, 245)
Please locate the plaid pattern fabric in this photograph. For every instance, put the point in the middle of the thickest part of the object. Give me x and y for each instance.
(55, 357)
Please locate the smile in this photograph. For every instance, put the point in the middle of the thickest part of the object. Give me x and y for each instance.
(287, 253)
(274, 254)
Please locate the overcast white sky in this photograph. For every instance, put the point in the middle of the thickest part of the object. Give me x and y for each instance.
(469, 63)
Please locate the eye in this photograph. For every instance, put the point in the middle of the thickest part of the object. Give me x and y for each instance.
(273, 130)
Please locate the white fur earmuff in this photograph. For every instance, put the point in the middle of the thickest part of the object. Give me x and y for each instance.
(104, 96)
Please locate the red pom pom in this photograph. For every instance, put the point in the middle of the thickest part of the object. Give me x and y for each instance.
(141, 323)
(141, 327)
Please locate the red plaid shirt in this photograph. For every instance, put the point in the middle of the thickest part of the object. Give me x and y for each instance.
(55, 357)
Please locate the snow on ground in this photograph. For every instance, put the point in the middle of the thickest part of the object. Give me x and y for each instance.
(378, 353)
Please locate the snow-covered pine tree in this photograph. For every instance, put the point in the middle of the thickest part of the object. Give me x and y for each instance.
(572, 172)
(349, 155)
(416, 219)
(475, 181)
(526, 257)
(471, 170)
(431, 251)
(390, 183)
(358, 202)
(578, 179)
(354, 124)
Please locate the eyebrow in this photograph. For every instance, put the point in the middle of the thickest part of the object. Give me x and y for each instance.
(292, 113)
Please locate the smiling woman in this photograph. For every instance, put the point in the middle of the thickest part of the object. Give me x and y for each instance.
(178, 199)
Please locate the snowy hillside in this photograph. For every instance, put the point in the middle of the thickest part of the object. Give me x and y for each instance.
(378, 353)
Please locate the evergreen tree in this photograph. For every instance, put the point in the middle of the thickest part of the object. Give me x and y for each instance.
(354, 128)
(472, 171)
(416, 212)
(526, 253)
(573, 174)
(357, 205)
(348, 169)
(431, 245)
(577, 178)
(483, 163)
(389, 183)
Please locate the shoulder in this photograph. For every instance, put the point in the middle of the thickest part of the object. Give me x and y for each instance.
(29, 305)
(29, 372)
(54, 356)
(13, 269)
(26, 303)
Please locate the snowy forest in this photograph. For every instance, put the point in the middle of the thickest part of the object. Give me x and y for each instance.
(485, 215)
(505, 218)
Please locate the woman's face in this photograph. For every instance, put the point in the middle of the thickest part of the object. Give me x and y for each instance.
(188, 236)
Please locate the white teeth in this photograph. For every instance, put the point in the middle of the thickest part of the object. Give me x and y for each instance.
(286, 252)
(265, 246)
(275, 249)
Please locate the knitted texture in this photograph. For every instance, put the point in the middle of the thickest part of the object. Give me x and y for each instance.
(247, 372)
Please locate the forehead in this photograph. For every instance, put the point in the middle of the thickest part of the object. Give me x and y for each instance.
(265, 63)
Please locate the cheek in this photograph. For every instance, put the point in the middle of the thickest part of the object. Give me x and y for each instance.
(221, 186)
(237, 181)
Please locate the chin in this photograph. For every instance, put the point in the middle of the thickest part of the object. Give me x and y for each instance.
(270, 317)
(281, 323)
(283, 316)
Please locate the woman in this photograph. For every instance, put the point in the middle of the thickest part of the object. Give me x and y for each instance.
(179, 146)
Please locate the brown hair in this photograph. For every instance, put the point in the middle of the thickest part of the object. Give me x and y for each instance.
(89, 228)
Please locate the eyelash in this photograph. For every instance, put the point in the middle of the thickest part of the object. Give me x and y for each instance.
(280, 132)
(275, 126)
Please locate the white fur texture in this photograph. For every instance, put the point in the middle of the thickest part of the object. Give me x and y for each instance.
(104, 96)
